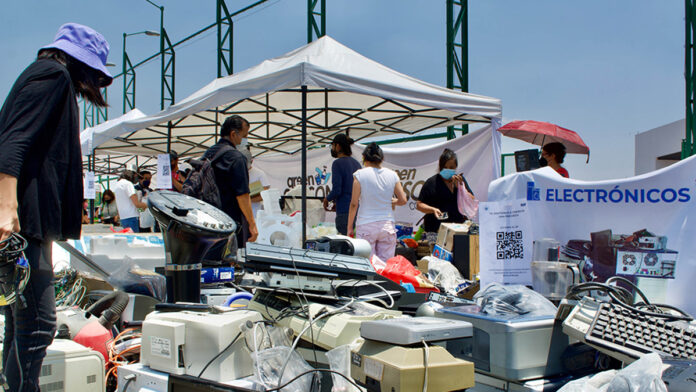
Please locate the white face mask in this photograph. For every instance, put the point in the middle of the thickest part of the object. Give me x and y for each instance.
(244, 142)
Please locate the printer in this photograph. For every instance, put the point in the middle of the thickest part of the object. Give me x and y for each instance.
(183, 342)
(516, 348)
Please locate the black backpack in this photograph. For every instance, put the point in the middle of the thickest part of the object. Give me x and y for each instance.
(201, 181)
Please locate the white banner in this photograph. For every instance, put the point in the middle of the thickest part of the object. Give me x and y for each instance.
(476, 153)
(89, 190)
(164, 172)
(640, 227)
(504, 243)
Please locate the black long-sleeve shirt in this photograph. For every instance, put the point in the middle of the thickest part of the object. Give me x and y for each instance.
(40, 146)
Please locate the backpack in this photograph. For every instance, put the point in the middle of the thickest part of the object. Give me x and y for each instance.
(201, 182)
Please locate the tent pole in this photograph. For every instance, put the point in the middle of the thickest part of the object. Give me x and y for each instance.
(304, 165)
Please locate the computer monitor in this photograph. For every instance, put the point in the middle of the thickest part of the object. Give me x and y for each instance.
(527, 160)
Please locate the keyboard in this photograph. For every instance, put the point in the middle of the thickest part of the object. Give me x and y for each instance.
(626, 335)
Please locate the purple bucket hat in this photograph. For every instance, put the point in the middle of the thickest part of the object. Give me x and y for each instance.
(84, 44)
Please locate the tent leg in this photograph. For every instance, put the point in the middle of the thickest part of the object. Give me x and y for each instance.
(304, 165)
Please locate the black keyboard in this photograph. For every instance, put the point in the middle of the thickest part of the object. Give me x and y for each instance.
(620, 329)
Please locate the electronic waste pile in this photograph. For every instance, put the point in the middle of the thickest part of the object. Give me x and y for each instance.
(323, 317)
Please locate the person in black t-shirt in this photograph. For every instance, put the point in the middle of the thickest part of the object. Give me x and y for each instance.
(438, 196)
(232, 177)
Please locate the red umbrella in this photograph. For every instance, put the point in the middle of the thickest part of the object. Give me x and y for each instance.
(541, 133)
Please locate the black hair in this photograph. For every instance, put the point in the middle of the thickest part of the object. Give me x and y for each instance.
(233, 123)
(130, 175)
(373, 153)
(446, 156)
(86, 80)
(343, 142)
(143, 173)
(556, 149)
(109, 193)
(173, 156)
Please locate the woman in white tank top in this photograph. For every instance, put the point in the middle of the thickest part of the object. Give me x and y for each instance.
(374, 191)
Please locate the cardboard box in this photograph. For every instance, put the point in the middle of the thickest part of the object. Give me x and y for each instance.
(442, 253)
(448, 230)
(423, 266)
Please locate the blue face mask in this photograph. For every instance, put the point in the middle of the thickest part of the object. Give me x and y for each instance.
(447, 173)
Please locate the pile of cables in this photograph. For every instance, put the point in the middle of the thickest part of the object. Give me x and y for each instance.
(123, 349)
(624, 297)
(14, 269)
(69, 287)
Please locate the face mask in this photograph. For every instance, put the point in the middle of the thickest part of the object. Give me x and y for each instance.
(243, 143)
(146, 183)
(543, 162)
(334, 154)
(447, 173)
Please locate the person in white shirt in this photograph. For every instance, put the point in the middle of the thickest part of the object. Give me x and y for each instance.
(374, 188)
(127, 201)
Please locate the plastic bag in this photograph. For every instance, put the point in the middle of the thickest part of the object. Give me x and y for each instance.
(467, 205)
(339, 361)
(400, 270)
(270, 363)
(130, 278)
(445, 275)
(512, 301)
(643, 375)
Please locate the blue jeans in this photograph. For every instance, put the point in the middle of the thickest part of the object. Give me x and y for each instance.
(30, 329)
(131, 223)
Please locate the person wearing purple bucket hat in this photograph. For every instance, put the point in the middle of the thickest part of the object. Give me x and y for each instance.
(41, 182)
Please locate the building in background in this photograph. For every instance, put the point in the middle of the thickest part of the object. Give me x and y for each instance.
(659, 147)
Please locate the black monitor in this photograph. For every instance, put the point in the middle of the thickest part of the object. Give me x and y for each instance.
(527, 160)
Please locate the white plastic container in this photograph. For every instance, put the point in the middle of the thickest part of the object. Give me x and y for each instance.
(552, 278)
(271, 202)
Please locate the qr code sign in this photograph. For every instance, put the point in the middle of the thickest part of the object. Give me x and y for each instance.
(509, 245)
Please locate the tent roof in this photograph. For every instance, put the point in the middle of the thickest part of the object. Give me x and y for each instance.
(345, 92)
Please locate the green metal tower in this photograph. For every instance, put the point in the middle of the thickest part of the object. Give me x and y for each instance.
(225, 35)
(93, 115)
(128, 80)
(688, 144)
(314, 29)
(457, 52)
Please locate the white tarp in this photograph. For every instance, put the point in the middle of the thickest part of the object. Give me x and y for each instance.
(477, 154)
(346, 91)
(100, 133)
(579, 215)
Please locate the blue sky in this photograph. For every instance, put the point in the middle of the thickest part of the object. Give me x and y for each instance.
(605, 69)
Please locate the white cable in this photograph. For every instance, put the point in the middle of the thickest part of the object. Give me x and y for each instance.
(391, 299)
(425, 354)
(297, 339)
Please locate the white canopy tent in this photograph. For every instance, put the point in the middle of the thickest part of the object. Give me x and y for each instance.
(344, 91)
(298, 101)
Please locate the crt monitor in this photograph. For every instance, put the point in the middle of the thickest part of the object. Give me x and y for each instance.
(527, 160)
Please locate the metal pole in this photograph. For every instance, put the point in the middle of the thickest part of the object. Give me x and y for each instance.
(169, 137)
(688, 147)
(125, 87)
(304, 164)
(162, 74)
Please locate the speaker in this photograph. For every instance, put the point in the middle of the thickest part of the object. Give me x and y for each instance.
(465, 254)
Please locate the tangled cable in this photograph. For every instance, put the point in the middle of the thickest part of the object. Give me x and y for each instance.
(623, 297)
(14, 269)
